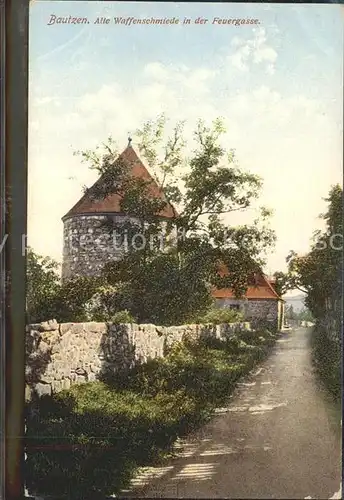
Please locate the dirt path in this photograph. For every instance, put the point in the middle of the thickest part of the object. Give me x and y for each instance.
(276, 439)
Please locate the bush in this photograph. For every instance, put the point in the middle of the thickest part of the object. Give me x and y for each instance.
(217, 316)
(255, 338)
(122, 317)
(43, 285)
(110, 429)
(327, 358)
(73, 297)
(106, 306)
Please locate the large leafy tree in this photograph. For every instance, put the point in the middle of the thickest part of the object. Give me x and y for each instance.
(43, 283)
(205, 187)
(47, 298)
(290, 313)
(318, 274)
(305, 315)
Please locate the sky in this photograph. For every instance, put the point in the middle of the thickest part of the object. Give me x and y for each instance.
(276, 84)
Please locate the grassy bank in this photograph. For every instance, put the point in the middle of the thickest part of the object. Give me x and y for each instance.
(90, 439)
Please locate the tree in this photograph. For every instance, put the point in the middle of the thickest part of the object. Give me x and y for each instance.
(70, 301)
(305, 315)
(319, 273)
(175, 282)
(282, 284)
(43, 283)
(47, 298)
(290, 313)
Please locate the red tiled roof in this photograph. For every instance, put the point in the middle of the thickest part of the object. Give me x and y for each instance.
(261, 290)
(111, 204)
(253, 292)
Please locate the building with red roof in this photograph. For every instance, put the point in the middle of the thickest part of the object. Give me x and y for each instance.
(260, 303)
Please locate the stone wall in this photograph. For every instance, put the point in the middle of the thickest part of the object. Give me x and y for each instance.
(59, 355)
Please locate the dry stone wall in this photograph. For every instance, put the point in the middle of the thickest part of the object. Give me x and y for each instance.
(59, 355)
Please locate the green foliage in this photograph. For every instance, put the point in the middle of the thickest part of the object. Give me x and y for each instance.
(168, 284)
(290, 313)
(327, 358)
(305, 315)
(73, 295)
(217, 315)
(319, 275)
(43, 284)
(163, 291)
(48, 299)
(106, 430)
(281, 283)
(104, 304)
(122, 317)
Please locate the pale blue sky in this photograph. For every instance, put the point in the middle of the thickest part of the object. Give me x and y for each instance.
(309, 42)
(278, 86)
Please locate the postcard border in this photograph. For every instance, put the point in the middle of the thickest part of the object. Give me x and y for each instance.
(15, 91)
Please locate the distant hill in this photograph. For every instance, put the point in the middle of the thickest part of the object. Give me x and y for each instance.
(298, 302)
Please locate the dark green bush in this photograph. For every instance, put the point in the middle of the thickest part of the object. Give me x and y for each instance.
(122, 317)
(252, 337)
(217, 316)
(327, 358)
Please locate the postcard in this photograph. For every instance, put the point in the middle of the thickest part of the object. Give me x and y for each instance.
(184, 250)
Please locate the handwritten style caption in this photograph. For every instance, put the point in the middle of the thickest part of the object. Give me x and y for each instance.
(132, 21)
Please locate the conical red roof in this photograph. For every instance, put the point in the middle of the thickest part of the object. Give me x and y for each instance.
(112, 203)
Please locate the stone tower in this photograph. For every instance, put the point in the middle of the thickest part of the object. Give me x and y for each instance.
(87, 244)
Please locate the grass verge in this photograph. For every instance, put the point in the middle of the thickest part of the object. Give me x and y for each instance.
(88, 442)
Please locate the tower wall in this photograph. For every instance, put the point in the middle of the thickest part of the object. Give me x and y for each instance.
(88, 246)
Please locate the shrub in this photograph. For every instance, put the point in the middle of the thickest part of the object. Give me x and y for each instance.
(263, 325)
(122, 317)
(217, 316)
(106, 305)
(73, 296)
(255, 338)
(43, 285)
(327, 358)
